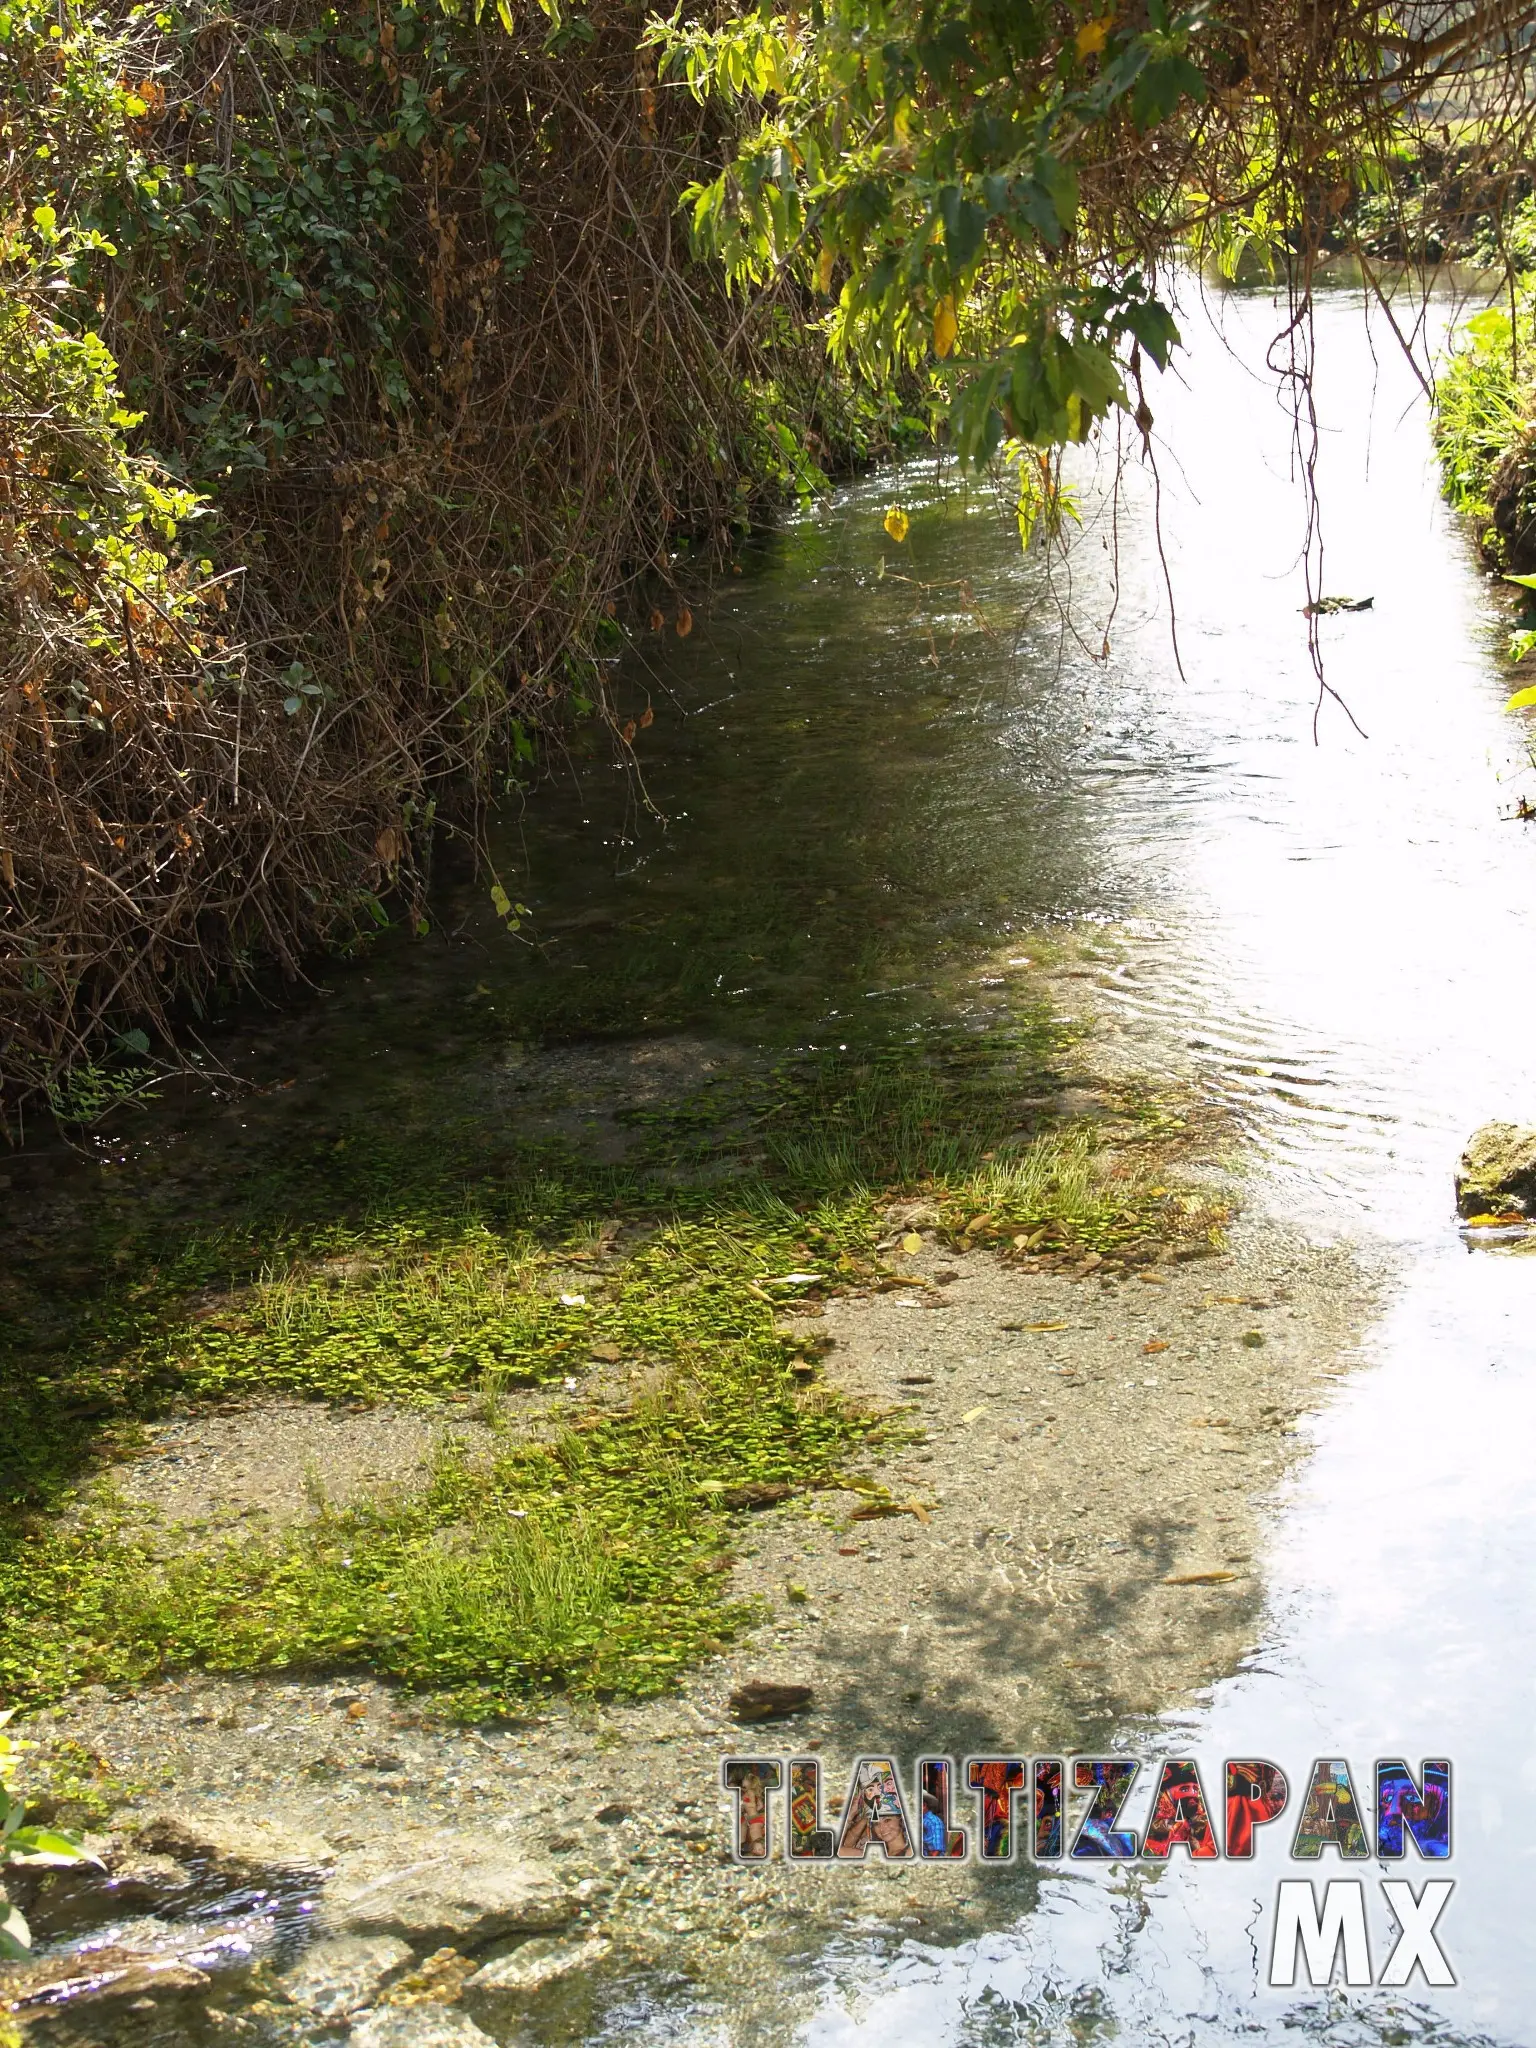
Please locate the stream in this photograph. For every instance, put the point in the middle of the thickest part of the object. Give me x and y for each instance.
(1334, 938)
(871, 760)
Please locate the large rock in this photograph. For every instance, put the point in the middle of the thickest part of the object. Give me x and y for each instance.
(417, 2026)
(460, 1889)
(336, 1978)
(536, 1963)
(82, 1895)
(236, 1846)
(1497, 1174)
(148, 1958)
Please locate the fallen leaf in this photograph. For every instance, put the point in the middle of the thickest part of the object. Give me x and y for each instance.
(1156, 1344)
(1492, 1222)
(606, 1354)
(878, 1510)
(911, 1243)
(1036, 1326)
(1199, 1578)
(971, 1414)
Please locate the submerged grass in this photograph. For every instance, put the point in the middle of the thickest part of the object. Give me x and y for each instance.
(429, 1268)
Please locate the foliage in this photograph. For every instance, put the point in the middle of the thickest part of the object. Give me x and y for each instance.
(405, 1262)
(1483, 432)
(996, 193)
(21, 1844)
(354, 387)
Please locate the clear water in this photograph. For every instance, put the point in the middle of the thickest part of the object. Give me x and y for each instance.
(1337, 937)
(870, 762)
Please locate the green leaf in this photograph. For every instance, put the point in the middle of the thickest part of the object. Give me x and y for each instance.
(15, 1935)
(965, 226)
(1525, 582)
(47, 1845)
(1161, 86)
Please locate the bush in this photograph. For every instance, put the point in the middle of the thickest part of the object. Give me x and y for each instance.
(355, 385)
(1484, 433)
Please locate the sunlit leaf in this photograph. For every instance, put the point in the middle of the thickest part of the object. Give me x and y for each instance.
(897, 524)
(945, 327)
(1522, 700)
(1092, 36)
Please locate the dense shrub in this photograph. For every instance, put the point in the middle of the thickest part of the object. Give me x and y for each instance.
(355, 383)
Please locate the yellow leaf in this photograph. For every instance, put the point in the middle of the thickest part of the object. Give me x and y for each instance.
(824, 271)
(897, 524)
(1200, 1579)
(1093, 35)
(945, 327)
(972, 1414)
(911, 1242)
(1522, 700)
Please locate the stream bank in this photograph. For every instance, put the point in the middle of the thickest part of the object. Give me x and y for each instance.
(1056, 1535)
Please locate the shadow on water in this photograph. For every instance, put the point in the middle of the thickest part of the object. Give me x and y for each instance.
(872, 766)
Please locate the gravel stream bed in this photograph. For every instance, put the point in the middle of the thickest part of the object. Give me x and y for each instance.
(1079, 1550)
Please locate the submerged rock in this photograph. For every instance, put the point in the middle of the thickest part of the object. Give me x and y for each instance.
(140, 1958)
(83, 1895)
(247, 1851)
(1497, 1173)
(339, 1977)
(463, 1889)
(535, 1964)
(418, 2027)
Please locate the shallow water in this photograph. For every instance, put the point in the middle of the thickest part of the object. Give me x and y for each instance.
(871, 765)
(1335, 938)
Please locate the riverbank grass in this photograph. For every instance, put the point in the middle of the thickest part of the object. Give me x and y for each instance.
(581, 1543)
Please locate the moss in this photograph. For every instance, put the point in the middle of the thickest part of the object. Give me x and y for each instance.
(411, 1263)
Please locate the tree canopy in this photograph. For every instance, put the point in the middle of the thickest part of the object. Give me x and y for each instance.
(996, 189)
